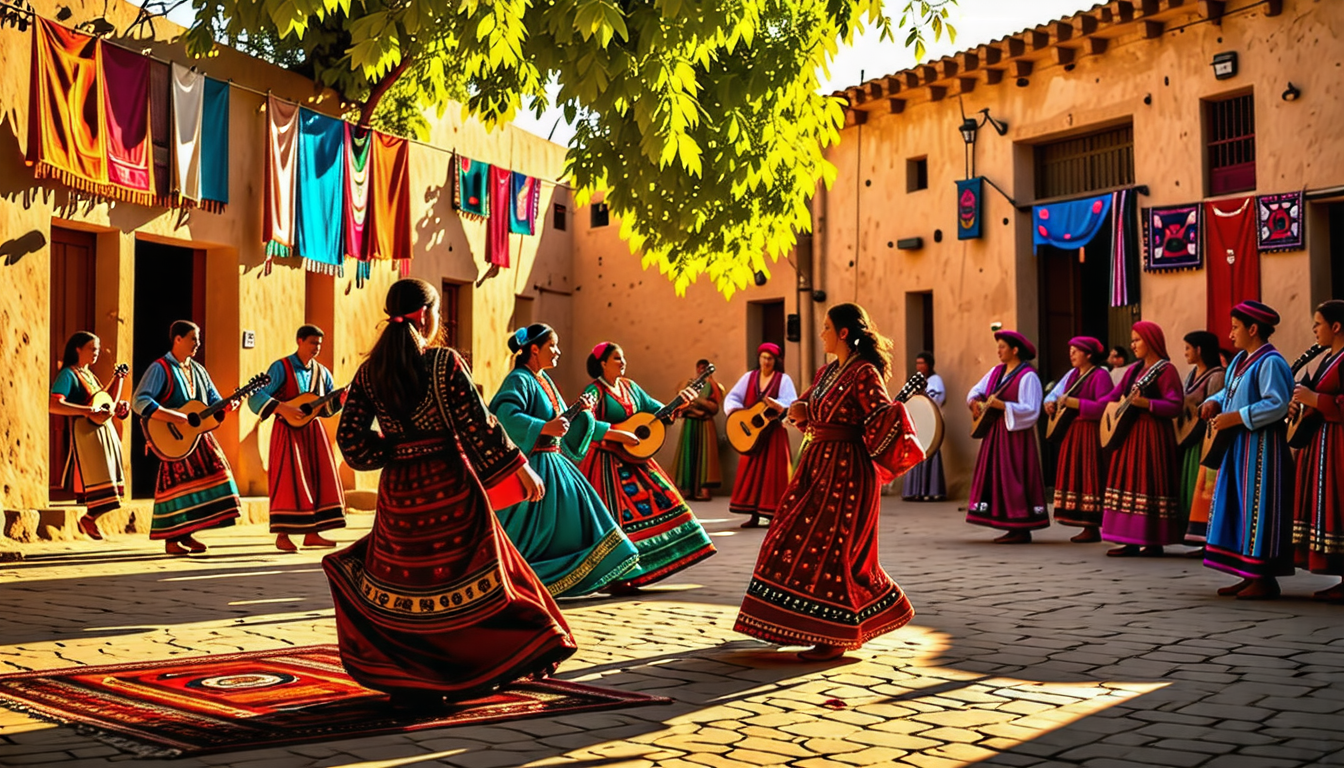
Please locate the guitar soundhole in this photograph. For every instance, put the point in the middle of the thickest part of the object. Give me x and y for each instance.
(642, 433)
(757, 422)
(307, 409)
(194, 420)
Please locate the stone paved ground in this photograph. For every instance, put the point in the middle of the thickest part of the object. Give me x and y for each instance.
(1045, 655)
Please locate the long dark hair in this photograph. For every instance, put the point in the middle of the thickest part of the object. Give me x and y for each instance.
(1206, 344)
(864, 339)
(70, 358)
(595, 363)
(536, 334)
(396, 367)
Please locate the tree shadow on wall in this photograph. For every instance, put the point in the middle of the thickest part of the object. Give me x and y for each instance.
(14, 249)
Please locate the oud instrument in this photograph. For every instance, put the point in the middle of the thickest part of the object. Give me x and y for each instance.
(1302, 426)
(1189, 427)
(102, 402)
(509, 491)
(1217, 441)
(651, 428)
(1059, 423)
(989, 416)
(1120, 415)
(174, 442)
(311, 405)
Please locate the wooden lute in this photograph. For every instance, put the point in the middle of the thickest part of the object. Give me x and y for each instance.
(103, 404)
(174, 442)
(982, 425)
(746, 426)
(1217, 441)
(1302, 426)
(1189, 427)
(651, 428)
(509, 491)
(311, 404)
(1120, 415)
(1058, 426)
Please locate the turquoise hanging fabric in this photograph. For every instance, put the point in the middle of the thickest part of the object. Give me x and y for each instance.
(321, 197)
(524, 198)
(1070, 225)
(215, 147)
(471, 187)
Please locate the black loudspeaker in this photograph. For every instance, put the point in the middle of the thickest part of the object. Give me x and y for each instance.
(793, 328)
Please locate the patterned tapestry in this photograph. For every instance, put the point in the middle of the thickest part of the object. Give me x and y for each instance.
(1281, 225)
(1172, 238)
(969, 201)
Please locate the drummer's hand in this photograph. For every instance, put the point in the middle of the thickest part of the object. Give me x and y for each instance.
(1209, 410)
(1051, 407)
(532, 484)
(624, 438)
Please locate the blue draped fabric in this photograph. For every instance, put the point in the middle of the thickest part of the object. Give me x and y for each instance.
(215, 142)
(1070, 225)
(321, 193)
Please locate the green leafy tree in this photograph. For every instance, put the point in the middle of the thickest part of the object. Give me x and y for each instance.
(699, 121)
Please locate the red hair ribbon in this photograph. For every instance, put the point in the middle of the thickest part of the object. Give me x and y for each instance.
(417, 316)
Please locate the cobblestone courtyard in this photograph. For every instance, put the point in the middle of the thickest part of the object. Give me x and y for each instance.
(1043, 655)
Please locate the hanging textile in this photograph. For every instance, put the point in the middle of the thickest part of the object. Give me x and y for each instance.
(471, 191)
(321, 192)
(1070, 225)
(125, 77)
(161, 129)
(1124, 248)
(1172, 238)
(390, 199)
(497, 227)
(1234, 262)
(215, 147)
(282, 143)
(357, 154)
(969, 201)
(188, 106)
(1280, 219)
(65, 116)
(524, 199)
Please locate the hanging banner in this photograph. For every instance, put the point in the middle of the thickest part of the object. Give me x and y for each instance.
(969, 202)
(215, 147)
(1281, 226)
(1172, 238)
(1124, 248)
(1070, 225)
(321, 193)
(524, 197)
(1234, 261)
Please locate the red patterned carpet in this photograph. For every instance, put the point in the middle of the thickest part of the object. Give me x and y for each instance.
(265, 698)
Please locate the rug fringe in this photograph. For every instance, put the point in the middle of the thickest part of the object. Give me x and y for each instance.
(138, 748)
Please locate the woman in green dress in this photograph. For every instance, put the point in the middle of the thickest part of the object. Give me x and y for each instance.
(569, 537)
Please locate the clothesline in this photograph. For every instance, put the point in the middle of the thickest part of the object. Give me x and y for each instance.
(7, 6)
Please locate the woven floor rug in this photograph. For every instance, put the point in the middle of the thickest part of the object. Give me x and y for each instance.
(265, 698)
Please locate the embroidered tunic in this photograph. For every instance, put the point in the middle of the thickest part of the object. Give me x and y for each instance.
(763, 474)
(1318, 526)
(1007, 489)
(1250, 524)
(91, 469)
(639, 493)
(1141, 505)
(305, 487)
(436, 598)
(818, 579)
(570, 538)
(1197, 480)
(197, 492)
(1080, 474)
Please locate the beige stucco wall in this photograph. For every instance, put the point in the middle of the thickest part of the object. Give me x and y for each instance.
(977, 282)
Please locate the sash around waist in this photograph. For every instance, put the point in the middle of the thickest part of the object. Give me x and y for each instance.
(836, 433)
(416, 448)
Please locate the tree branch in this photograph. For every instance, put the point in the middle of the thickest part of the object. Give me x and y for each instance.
(380, 89)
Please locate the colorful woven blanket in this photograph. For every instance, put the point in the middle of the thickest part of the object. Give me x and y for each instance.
(1070, 225)
(1281, 224)
(497, 227)
(358, 142)
(125, 77)
(65, 119)
(1172, 238)
(471, 188)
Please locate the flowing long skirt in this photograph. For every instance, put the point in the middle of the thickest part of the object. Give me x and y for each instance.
(1197, 483)
(762, 475)
(93, 471)
(1080, 476)
(569, 537)
(306, 493)
(651, 512)
(1318, 524)
(926, 480)
(818, 579)
(435, 598)
(1007, 491)
(195, 493)
(1250, 525)
(1142, 504)
(697, 464)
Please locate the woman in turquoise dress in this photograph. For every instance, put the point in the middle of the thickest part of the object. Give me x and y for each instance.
(647, 505)
(569, 537)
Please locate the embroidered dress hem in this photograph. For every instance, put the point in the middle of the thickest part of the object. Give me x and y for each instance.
(778, 616)
(658, 574)
(1246, 566)
(609, 560)
(307, 521)
(194, 494)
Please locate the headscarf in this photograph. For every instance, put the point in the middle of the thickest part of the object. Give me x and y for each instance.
(1152, 335)
(1088, 344)
(600, 349)
(771, 348)
(1025, 349)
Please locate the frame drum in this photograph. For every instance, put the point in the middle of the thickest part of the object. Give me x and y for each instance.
(928, 420)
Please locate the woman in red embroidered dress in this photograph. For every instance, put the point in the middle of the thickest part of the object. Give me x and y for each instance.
(435, 602)
(763, 474)
(818, 579)
(1318, 526)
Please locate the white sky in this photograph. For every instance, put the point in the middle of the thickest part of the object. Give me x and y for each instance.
(977, 21)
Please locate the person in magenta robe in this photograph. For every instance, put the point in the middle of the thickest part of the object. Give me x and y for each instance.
(1081, 471)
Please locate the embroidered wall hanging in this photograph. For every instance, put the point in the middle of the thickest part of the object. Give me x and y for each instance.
(471, 190)
(524, 199)
(1070, 225)
(1280, 219)
(357, 153)
(65, 115)
(969, 200)
(1172, 238)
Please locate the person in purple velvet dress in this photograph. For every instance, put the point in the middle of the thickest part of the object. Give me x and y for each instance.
(1080, 474)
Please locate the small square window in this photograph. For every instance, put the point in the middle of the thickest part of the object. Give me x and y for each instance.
(916, 174)
(600, 216)
(559, 217)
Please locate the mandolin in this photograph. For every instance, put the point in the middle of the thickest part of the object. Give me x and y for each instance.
(1302, 426)
(651, 428)
(311, 404)
(1217, 441)
(746, 426)
(982, 425)
(1058, 425)
(174, 442)
(1120, 415)
(509, 492)
(102, 402)
(1189, 427)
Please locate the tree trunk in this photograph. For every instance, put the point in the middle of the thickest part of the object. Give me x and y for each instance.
(380, 89)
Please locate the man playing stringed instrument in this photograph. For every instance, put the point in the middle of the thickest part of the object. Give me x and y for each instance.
(198, 492)
(305, 488)
(763, 474)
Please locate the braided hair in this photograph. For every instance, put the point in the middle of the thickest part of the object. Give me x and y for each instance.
(864, 339)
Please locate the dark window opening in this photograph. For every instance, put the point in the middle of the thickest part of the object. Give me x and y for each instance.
(600, 217)
(559, 218)
(916, 174)
(1082, 164)
(1230, 142)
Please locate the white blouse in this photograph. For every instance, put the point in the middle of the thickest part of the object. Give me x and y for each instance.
(737, 398)
(1022, 414)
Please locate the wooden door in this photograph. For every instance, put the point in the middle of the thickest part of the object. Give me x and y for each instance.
(72, 309)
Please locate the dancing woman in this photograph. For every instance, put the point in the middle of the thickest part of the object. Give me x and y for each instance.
(92, 469)
(1081, 472)
(638, 492)
(435, 603)
(1007, 489)
(818, 580)
(763, 474)
(568, 537)
(1318, 525)
(1206, 378)
(1141, 511)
